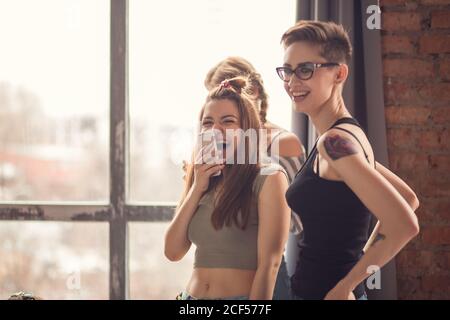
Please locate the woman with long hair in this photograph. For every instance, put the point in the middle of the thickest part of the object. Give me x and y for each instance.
(283, 147)
(235, 214)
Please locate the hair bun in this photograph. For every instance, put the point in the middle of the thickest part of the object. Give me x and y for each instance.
(237, 84)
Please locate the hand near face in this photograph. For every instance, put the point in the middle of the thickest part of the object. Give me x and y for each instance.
(203, 171)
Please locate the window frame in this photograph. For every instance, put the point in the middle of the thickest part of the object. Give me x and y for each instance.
(118, 212)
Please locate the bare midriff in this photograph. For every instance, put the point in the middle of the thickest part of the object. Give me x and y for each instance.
(214, 283)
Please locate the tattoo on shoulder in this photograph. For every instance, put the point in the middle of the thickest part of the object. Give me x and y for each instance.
(338, 147)
(378, 237)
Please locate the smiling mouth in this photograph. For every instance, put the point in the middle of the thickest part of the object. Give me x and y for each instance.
(301, 95)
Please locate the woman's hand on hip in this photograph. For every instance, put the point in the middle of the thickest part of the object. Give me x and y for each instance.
(340, 292)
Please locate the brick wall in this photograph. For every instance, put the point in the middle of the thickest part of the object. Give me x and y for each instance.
(416, 67)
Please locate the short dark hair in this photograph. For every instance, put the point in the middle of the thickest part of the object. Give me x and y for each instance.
(332, 39)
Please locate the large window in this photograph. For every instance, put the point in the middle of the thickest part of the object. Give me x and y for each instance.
(152, 276)
(98, 101)
(172, 45)
(54, 260)
(54, 92)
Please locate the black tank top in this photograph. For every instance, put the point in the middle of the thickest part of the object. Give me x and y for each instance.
(335, 228)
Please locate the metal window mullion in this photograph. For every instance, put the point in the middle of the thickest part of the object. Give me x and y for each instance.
(149, 213)
(54, 212)
(119, 128)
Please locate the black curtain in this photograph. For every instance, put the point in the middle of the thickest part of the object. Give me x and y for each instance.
(363, 95)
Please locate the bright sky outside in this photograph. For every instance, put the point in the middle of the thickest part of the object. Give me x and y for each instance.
(59, 50)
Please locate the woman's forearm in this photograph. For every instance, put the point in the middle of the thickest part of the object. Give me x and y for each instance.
(383, 248)
(176, 240)
(405, 191)
(264, 282)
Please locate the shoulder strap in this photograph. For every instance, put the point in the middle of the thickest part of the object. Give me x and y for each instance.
(352, 121)
(309, 158)
(348, 120)
(348, 131)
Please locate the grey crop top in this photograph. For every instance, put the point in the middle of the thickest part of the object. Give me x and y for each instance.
(229, 247)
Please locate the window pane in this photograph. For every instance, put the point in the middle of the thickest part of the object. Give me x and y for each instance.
(54, 96)
(152, 276)
(54, 260)
(172, 46)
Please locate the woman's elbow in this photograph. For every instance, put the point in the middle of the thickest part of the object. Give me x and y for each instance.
(411, 199)
(174, 250)
(171, 255)
(412, 228)
(416, 227)
(170, 252)
(173, 258)
(414, 202)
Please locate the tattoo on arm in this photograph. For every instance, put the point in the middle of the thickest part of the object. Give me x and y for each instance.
(378, 237)
(338, 147)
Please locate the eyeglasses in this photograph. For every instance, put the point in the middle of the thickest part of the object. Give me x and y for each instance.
(304, 71)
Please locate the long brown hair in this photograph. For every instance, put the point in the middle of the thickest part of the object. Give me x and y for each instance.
(237, 66)
(235, 198)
